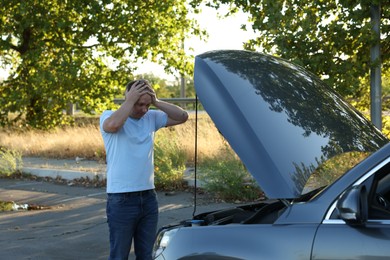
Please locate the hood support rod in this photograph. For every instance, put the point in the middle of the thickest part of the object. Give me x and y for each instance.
(196, 153)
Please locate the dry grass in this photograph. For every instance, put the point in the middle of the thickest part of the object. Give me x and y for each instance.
(59, 143)
(209, 141)
(85, 141)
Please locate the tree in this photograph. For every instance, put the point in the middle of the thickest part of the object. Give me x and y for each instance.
(160, 86)
(330, 38)
(83, 52)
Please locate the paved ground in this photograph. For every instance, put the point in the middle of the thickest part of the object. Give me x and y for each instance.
(75, 225)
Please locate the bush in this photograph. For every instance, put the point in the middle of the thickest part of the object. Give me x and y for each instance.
(227, 178)
(6, 206)
(10, 162)
(169, 163)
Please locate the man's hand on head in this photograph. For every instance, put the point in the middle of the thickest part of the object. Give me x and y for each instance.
(138, 89)
(152, 93)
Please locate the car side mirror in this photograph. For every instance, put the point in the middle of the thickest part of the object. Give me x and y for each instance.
(352, 205)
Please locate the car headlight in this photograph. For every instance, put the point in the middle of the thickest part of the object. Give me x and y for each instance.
(162, 240)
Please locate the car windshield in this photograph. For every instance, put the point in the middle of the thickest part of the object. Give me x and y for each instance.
(330, 170)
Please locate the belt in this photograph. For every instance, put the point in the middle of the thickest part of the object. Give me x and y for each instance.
(133, 193)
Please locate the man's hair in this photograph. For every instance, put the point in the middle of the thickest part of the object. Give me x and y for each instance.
(131, 83)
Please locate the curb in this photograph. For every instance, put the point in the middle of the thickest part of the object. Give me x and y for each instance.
(64, 174)
(72, 174)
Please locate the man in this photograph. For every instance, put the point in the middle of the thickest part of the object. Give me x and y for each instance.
(128, 135)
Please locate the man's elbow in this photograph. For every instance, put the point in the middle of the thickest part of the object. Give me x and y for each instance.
(178, 120)
(184, 116)
(111, 127)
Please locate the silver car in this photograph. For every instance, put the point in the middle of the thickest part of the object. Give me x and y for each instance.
(323, 167)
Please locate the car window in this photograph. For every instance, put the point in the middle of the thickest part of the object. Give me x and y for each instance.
(379, 196)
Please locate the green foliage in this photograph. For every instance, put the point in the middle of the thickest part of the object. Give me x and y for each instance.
(227, 178)
(166, 89)
(386, 125)
(10, 162)
(330, 38)
(83, 52)
(362, 103)
(6, 206)
(169, 163)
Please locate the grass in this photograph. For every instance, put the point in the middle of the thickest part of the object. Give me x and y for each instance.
(219, 168)
(85, 140)
(10, 162)
(174, 152)
(67, 142)
(6, 206)
(227, 178)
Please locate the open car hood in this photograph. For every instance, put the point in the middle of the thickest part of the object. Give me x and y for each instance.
(281, 120)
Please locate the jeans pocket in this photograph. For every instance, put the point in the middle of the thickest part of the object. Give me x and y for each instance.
(116, 199)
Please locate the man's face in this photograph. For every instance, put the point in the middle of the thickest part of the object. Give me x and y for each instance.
(141, 107)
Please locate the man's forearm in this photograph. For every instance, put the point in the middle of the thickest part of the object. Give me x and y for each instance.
(174, 112)
(118, 118)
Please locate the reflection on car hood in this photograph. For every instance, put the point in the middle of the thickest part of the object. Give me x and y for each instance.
(281, 120)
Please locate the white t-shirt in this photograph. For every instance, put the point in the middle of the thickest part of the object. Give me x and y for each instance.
(129, 152)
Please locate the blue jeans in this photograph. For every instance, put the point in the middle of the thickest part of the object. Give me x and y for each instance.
(132, 215)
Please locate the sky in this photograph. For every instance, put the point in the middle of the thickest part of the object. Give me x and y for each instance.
(223, 34)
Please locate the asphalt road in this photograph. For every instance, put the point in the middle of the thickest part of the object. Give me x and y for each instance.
(74, 225)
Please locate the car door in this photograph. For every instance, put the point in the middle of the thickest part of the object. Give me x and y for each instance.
(343, 241)
(369, 236)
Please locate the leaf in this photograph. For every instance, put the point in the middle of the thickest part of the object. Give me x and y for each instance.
(83, 52)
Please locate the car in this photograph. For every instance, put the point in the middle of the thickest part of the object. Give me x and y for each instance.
(324, 168)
